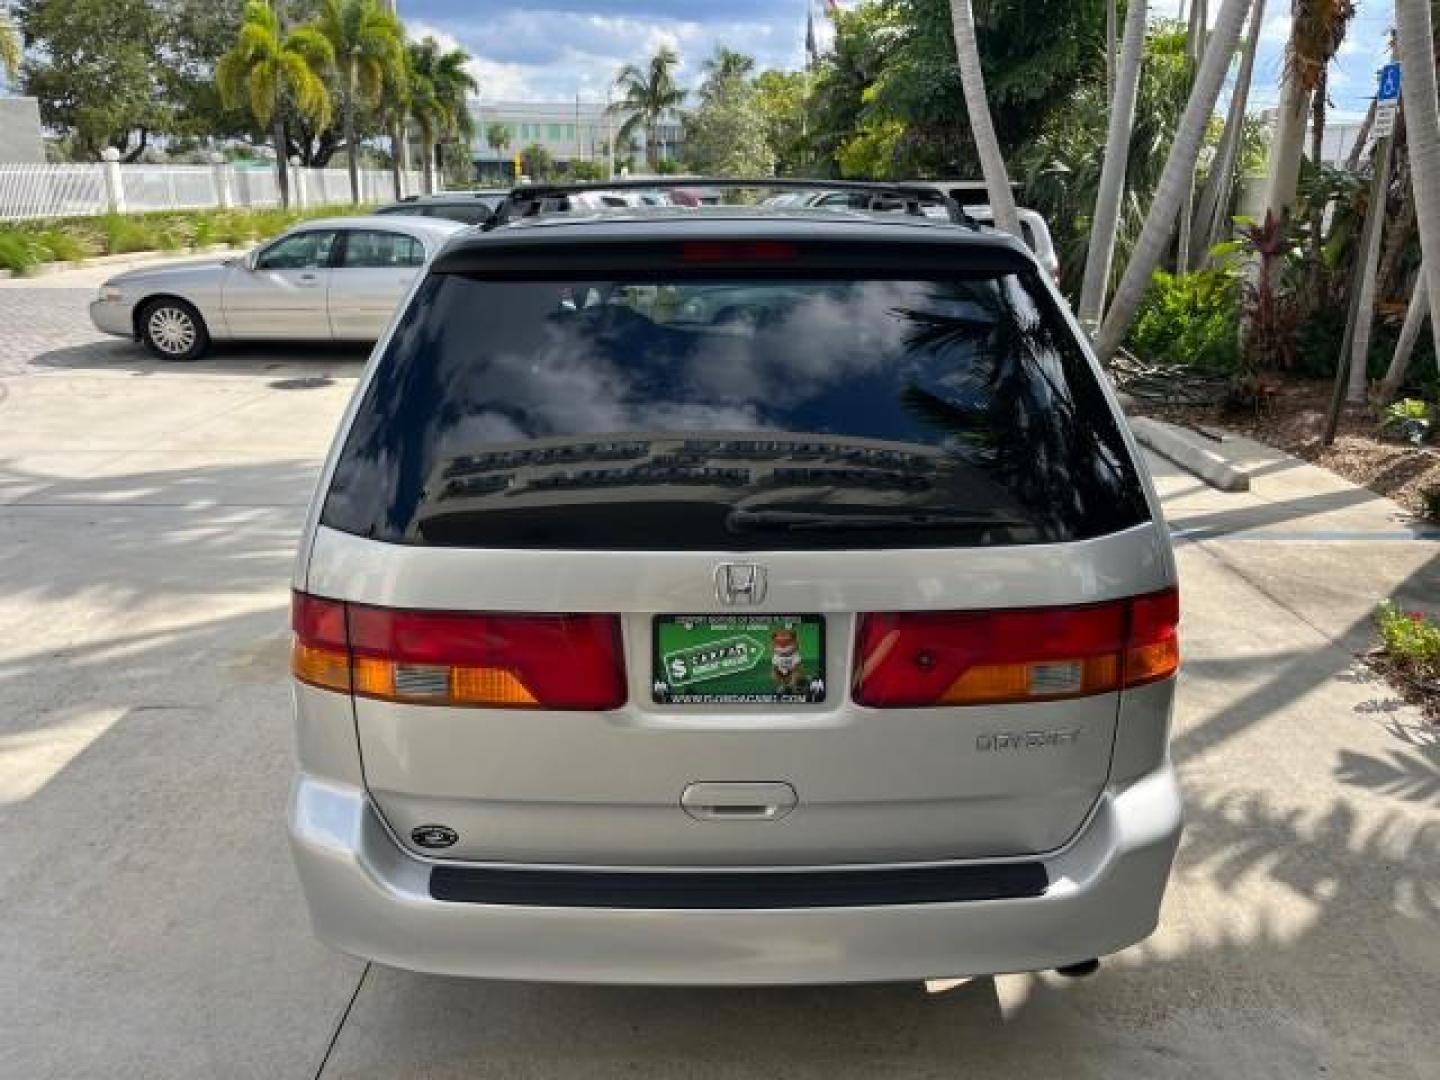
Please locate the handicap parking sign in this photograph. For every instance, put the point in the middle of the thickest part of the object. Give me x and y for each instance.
(1389, 84)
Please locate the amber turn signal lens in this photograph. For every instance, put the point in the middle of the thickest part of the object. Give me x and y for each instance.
(319, 666)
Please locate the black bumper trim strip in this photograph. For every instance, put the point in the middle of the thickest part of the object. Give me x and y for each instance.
(737, 889)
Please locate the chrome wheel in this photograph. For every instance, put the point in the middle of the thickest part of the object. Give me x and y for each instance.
(172, 330)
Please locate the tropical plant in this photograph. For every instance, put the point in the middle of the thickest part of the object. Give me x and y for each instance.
(1175, 181)
(367, 42)
(726, 135)
(499, 135)
(1122, 88)
(783, 98)
(537, 162)
(1411, 639)
(440, 87)
(982, 128)
(1190, 319)
(1061, 169)
(723, 68)
(1409, 418)
(646, 94)
(267, 68)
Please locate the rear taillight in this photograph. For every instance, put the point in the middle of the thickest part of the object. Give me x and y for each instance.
(912, 659)
(561, 662)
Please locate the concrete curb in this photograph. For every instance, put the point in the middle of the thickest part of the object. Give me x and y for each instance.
(1183, 449)
(41, 269)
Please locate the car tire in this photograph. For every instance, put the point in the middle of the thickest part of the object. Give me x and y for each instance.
(173, 329)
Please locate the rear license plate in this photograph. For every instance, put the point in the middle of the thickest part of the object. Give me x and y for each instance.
(739, 659)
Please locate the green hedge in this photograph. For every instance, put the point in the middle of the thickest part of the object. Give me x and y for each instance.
(24, 245)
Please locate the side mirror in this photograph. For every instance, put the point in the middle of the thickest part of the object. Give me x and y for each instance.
(251, 258)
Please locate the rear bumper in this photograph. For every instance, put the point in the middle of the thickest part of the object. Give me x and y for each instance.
(369, 898)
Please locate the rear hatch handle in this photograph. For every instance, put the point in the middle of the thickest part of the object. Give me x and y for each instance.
(738, 801)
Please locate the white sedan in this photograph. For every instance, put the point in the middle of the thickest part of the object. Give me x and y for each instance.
(335, 279)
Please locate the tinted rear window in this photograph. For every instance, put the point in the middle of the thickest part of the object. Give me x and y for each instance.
(725, 414)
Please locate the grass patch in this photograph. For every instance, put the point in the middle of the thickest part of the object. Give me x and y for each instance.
(25, 245)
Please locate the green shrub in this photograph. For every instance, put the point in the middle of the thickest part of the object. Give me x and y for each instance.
(1412, 641)
(1191, 319)
(62, 245)
(18, 251)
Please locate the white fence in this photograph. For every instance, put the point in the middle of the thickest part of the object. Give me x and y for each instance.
(28, 192)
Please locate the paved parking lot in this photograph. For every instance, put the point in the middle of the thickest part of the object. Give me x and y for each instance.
(150, 924)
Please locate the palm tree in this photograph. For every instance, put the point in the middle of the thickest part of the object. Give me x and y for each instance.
(11, 52)
(977, 107)
(267, 68)
(646, 94)
(439, 91)
(1112, 173)
(1414, 36)
(1213, 214)
(394, 109)
(1317, 29)
(725, 66)
(367, 43)
(1175, 180)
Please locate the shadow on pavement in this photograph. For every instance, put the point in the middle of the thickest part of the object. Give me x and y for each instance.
(225, 358)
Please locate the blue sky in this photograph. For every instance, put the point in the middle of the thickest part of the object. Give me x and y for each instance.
(554, 49)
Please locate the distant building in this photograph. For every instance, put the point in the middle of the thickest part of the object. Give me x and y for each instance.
(569, 130)
(21, 142)
(1335, 143)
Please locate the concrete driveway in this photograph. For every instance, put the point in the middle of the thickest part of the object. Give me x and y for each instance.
(150, 924)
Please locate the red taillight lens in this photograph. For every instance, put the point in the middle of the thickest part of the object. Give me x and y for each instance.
(912, 659)
(562, 662)
(319, 652)
(721, 251)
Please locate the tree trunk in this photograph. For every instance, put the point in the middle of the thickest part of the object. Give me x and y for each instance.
(352, 151)
(1405, 347)
(1179, 169)
(1369, 263)
(1317, 213)
(1213, 218)
(282, 166)
(1416, 40)
(397, 158)
(1104, 221)
(427, 148)
(1287, 147)
(977, 107)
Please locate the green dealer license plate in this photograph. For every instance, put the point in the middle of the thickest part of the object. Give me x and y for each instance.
(739, 659)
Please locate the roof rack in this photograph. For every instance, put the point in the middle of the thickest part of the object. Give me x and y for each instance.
(528, 200)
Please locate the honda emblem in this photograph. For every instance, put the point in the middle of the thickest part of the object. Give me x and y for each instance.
(740, 583)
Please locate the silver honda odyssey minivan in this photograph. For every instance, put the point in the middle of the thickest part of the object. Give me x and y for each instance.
(733, 595)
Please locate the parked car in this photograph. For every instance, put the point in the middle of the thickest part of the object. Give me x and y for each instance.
(820, 632)
(974, 199)
(466, 207)
(335, 279)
